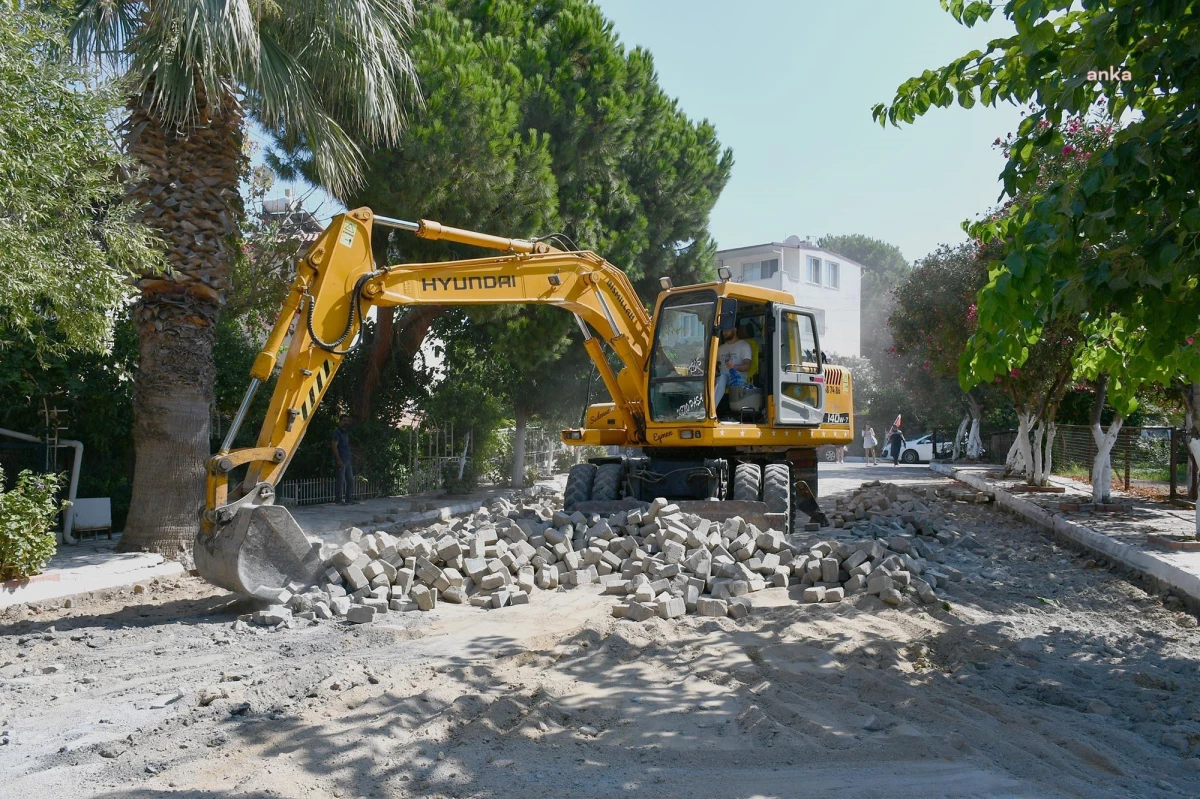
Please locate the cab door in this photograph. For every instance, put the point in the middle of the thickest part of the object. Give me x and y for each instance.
(799, 378)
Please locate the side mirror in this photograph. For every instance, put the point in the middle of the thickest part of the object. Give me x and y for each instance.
(728, 319)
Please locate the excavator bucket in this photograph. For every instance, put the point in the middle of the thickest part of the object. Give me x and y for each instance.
(807, 503)
(260, 552)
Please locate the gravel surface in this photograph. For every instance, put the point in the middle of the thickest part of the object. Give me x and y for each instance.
(1044, 674)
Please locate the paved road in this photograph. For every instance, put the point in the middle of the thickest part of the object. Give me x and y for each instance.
(838, 477)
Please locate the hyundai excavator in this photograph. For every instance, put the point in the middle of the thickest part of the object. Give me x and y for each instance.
(751, 449)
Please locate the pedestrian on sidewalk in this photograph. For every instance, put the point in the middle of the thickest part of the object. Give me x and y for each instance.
(869, 445)
(343, 476)
(896, 442)
(841, 453)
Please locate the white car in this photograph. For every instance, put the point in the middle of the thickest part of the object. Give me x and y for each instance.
(917, 450)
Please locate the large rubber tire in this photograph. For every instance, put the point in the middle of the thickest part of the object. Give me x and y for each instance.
(607, 485)
(777, 492)
(747, 482)
(579, 485)
(910, 456)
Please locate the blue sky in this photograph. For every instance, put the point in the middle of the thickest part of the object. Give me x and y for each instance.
(789, 85)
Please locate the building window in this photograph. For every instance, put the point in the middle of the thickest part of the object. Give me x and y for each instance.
(814, 270)
(760, 270)
(833, 275)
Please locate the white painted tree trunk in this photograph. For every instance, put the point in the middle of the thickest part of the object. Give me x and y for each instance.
(1102, 465)
(974, 444)
(1048, 460)
(1012, 461)
(958, 437)
(1191, 399)
(1194, 448)
(1024, 463)
(1038, 477)
(462, 459)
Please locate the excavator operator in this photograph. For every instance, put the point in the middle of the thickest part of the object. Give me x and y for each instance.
(733, 362)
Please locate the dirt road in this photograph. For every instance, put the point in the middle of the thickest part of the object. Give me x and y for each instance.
(1047, 676)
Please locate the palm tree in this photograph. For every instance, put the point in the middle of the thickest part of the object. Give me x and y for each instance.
(321, 74)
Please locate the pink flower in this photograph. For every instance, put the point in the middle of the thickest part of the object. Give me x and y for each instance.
(1190, 340)
(1068, 150)
(1015, 373)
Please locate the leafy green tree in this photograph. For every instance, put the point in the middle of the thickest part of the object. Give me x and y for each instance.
(933, 318)
(67, 240)
(884, 268)
(537, 121)
(321, 76)
(1119, 236)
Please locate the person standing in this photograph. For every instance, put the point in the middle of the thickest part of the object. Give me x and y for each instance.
(869, 445)
(343, 479)
(896, 442)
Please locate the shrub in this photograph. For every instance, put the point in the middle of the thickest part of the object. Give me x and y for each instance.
(451, 482)
(27, 513)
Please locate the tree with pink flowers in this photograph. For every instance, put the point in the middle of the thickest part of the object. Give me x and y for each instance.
(1115, 239)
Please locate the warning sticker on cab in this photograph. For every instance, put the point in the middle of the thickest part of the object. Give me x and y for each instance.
(349, 231)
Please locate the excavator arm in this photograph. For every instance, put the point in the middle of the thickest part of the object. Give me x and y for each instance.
(247, 545)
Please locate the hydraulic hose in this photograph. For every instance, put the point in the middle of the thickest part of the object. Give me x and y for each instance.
(355, 313)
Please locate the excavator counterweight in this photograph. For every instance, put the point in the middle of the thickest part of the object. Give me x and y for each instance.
(748, 450)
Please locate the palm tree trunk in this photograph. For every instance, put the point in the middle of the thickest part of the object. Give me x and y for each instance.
(188, 190)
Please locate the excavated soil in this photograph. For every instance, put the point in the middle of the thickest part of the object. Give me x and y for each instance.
(1043, 674)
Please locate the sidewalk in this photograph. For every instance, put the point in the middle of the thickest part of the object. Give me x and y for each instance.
(95, 565)
(92, 565)
(1118, 535)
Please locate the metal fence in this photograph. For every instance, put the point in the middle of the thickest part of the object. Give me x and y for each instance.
(318, 490)
(1149, 460)
(432, 452)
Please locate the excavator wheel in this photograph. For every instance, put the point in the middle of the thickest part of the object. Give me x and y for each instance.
(579, 485)
(607, 485)
(747, 481)
(777, 490)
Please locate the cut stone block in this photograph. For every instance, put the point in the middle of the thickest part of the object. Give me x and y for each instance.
(360, 614)
(638, 612)
(426, 598)
(710, 606)
(739, 608)
(814, 594)
(671, 608)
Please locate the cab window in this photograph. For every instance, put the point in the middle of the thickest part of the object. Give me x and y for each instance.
(798, 345)
(679, 361)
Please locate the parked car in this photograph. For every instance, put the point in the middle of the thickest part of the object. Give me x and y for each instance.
(919, 450)
(827, 453)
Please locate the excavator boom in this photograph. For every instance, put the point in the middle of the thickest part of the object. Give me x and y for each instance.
(249, 546)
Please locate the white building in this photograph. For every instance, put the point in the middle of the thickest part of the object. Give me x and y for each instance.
(821, 281)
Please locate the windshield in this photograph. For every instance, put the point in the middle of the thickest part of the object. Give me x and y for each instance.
(680, 362)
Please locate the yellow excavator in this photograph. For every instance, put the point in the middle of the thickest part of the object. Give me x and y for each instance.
(748, 449)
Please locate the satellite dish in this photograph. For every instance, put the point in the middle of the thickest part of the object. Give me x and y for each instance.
(792, 241)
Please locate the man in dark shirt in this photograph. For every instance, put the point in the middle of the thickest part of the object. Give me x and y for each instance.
(343, 481)
(896, 442)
